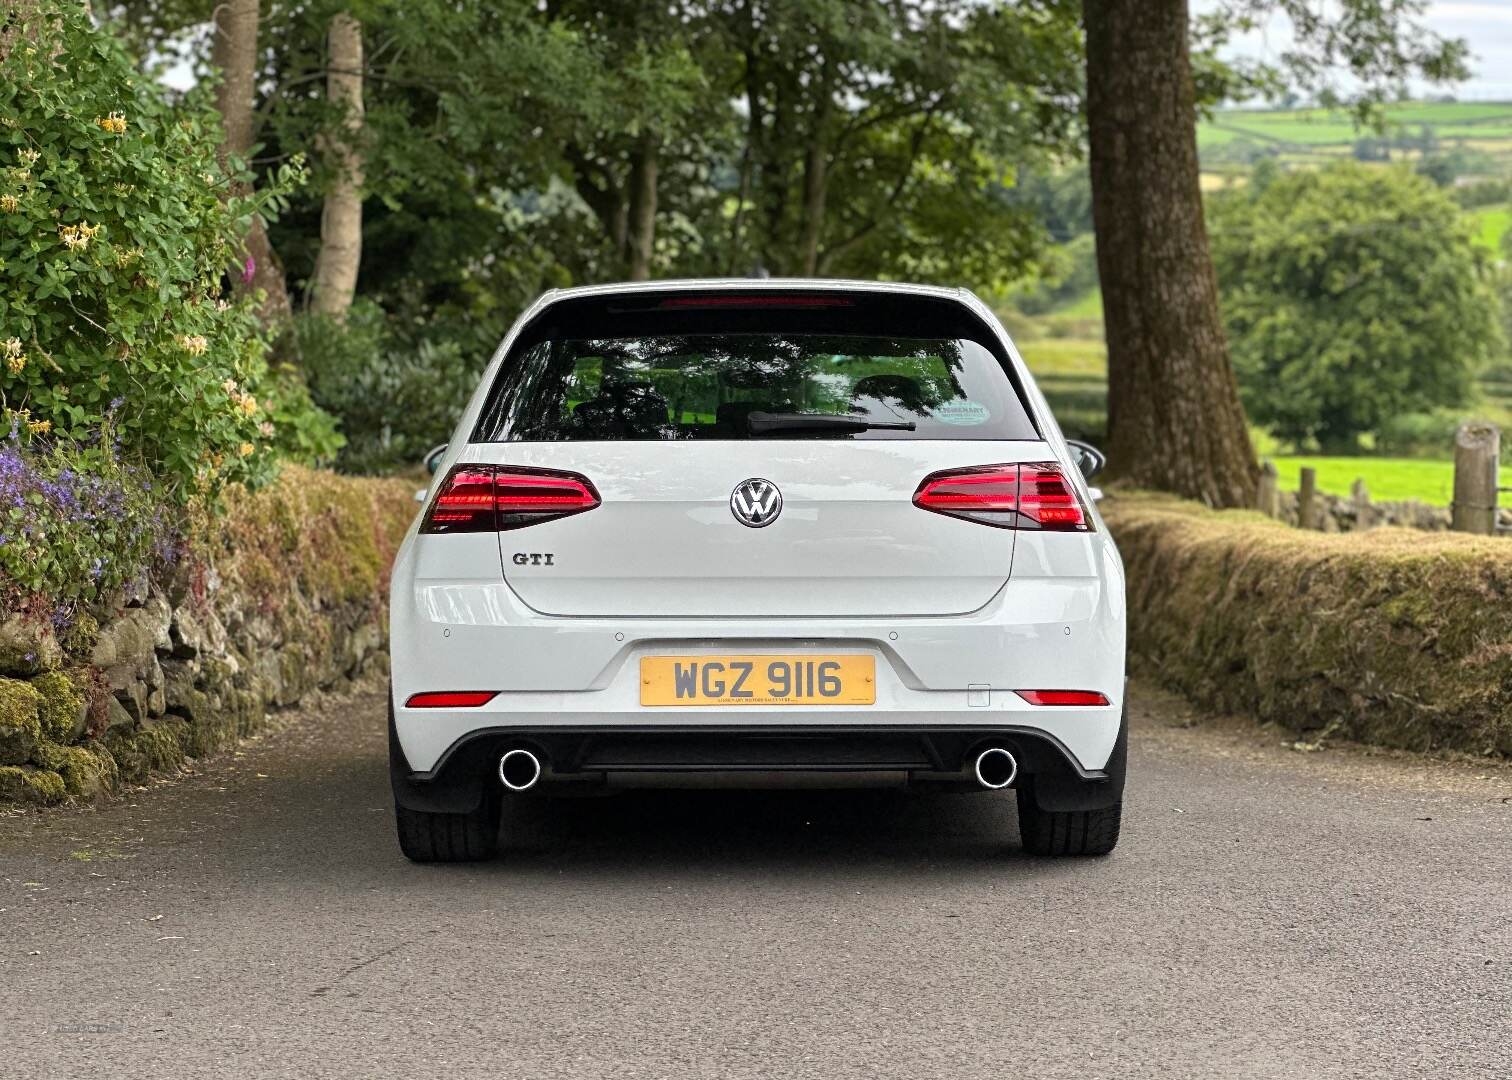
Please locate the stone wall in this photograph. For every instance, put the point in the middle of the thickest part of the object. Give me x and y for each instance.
(284, 594)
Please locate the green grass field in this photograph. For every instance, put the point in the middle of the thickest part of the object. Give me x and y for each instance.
(1387, 479)
(1491, 224)
(1304, 128)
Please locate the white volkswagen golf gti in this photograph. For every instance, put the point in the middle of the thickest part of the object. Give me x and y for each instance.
(758, 526)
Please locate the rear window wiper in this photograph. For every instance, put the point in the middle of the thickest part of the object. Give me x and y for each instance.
(767, 423)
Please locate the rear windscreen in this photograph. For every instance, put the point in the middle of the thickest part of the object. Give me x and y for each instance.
(747, 384)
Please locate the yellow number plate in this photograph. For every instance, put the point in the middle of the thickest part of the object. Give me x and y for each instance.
(762, 679)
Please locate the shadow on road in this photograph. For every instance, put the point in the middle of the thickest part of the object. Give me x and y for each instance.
(731, 827)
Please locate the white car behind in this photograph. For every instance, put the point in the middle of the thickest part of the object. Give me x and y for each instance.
(741, 526)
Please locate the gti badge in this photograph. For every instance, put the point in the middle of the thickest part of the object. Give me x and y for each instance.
(756, 502)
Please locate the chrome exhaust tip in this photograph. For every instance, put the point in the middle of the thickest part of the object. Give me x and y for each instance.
(996, 768)
(519, 769)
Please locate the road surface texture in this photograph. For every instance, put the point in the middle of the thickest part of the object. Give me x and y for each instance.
(1270, 913)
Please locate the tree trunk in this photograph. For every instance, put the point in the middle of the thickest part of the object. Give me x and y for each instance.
(341, 217)
(643, 191)
(815, 178)
(1174, 418)
(234, 52)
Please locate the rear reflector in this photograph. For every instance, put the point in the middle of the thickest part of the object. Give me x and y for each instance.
(488, 498)
(1035, 496)
(450, 699)
(1062, 697)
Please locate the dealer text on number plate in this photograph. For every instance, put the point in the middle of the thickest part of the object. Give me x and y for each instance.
(758, 679)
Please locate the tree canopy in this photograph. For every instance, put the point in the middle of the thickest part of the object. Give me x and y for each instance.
(1351, 295)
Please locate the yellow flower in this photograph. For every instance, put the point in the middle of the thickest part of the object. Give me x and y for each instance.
(229, 386)
(77, 237)
(247, 404)
(245, 449)
(115, 123)
(16, 364)
(9, 203)
(194, 344)
(39, 427)
(30, 156)
(11, 347)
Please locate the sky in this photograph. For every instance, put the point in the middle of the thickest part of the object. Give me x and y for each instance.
(1485, 24)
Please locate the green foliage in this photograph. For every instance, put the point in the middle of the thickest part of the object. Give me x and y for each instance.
(75, 522)
(1071, 274)
(395, 398)
(1351, 295)
(117, 225)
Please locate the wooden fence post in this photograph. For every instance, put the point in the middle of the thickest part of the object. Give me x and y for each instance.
(1477, 447)
(1265, 492)
(1359, 494)
(1307, 497)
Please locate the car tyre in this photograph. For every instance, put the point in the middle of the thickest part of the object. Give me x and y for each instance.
(427, 837)
(1067, 832)
(1076, 832)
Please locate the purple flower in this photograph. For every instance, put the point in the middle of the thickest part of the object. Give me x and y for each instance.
(249, 271)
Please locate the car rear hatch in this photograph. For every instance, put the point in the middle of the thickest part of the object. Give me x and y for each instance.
(651, 410)
(666, 542)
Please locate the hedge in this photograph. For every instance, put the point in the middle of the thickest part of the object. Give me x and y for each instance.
(1394, 637)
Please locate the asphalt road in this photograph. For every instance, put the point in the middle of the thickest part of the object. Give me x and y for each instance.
(1269, 913)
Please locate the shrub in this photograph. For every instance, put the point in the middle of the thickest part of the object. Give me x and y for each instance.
(394, 399)
(117, 224)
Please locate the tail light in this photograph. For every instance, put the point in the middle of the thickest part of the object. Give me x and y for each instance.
(1063, 697)
(487, 498)
(1035, 496)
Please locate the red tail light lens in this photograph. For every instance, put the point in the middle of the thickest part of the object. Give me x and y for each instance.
(450, 699)
(1033, 496)
(487, 498)
(465, 503)
(1063, 697)
(527, 497)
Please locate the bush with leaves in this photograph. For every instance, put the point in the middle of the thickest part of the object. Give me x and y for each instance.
(395, 398)
(76, 522)
(1351, 295)
(117, 224)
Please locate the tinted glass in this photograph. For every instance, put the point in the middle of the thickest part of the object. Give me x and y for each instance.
(705, 386)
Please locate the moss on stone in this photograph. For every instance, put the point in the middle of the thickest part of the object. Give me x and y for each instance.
(87, 770)
(155, 747)
(20, 726)
(1396, 637)
(36, 787)
(58, 709)
(79, 639)
(27, 645)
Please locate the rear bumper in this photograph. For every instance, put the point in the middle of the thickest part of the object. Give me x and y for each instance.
(466, 771)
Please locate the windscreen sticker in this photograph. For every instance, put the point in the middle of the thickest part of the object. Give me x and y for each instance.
(963, 413)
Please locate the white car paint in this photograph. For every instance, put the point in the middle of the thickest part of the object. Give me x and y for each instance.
(957, 614)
